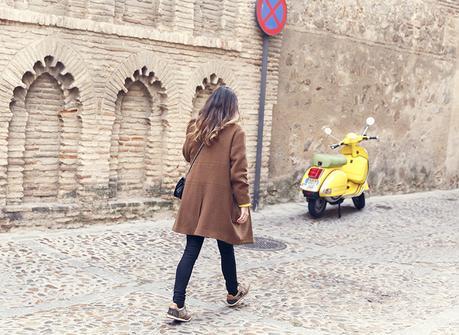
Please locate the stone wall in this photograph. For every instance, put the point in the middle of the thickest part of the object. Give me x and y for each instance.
(343, 61)
(95, 97)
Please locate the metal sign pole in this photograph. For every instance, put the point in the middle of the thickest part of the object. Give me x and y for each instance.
(261, 120)
(271, 17)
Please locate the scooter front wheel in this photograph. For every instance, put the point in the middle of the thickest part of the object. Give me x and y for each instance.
(359, 202)
(317, 207)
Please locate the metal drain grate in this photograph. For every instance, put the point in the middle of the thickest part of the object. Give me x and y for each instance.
(265, 244)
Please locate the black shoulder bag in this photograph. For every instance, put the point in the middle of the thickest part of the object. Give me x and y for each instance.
(181, 183)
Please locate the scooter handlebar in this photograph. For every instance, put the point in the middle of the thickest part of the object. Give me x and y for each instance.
(371, 138)
(334, 146)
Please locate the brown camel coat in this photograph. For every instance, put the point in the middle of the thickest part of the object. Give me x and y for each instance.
(215, 187)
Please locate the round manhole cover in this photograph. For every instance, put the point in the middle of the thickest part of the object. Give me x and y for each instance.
(265, 244)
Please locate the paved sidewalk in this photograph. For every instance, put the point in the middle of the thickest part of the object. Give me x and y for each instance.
(390, 269)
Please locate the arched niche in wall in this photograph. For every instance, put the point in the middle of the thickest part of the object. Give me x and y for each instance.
(202, 82)
(158, 77)
(43, 136)
(12, 83)
(44, 6)
(205, 90)
(207, 17)
(146, 12)
(137, 139)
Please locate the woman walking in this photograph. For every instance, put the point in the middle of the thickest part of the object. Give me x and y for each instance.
(215, 201)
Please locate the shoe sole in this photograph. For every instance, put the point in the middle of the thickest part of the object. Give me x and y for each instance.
(238, 302)
(177, 319)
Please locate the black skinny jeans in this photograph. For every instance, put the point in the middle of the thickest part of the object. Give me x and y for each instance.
(185, 267)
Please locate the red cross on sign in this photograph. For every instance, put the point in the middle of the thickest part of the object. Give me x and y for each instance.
(271, 16)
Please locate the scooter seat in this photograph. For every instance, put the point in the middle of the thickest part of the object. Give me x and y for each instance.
(328, 161)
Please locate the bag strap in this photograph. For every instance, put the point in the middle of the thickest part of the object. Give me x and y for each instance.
(194, 159)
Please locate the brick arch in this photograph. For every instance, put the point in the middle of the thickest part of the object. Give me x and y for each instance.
(158, 70)
(23, 62)
(220, 70)
(21, 181)
(141, 62)
(139, 126)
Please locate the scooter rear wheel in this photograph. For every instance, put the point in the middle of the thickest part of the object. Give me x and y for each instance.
(359, 202)
(317, 207)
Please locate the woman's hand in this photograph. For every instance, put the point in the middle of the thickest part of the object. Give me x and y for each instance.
(244, 215)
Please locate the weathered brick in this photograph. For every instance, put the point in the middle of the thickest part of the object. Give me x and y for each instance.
(56, 157)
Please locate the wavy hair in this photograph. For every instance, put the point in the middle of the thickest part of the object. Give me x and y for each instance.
(220, 110)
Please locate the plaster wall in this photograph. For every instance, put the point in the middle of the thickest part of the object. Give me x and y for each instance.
(343, 61)
(452, 161)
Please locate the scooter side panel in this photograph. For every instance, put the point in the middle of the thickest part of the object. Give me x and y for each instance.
(334, 185)
(356, 169)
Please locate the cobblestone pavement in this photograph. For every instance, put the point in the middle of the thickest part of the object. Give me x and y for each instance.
(390, 269)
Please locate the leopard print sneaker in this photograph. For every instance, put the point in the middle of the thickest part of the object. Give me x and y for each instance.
(178, 314)
(234, 300)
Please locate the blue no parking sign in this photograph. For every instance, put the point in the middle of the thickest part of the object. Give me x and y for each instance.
(271, 16)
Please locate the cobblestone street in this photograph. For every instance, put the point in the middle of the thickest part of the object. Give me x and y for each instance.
(390, 269)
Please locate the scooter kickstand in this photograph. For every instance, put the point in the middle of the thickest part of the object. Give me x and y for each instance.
(339, 210)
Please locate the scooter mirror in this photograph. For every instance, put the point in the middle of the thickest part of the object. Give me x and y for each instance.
(370, 121)
(327, 131)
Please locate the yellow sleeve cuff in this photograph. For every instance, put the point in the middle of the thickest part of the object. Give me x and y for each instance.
(245, 205)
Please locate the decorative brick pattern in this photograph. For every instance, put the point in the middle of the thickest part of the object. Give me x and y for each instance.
(125, 77)
(66, 67)
(162, 81)
(56, 6)
(207, 17)
(144, 12)
(137, 139)
(208, 76)
(139, 12)
(43, 136)
(204, 91)
(200, 86)
(99, 10)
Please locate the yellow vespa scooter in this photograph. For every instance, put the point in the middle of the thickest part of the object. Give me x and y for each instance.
(333, 178)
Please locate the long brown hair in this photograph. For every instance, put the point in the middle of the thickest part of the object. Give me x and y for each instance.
(220, 110)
